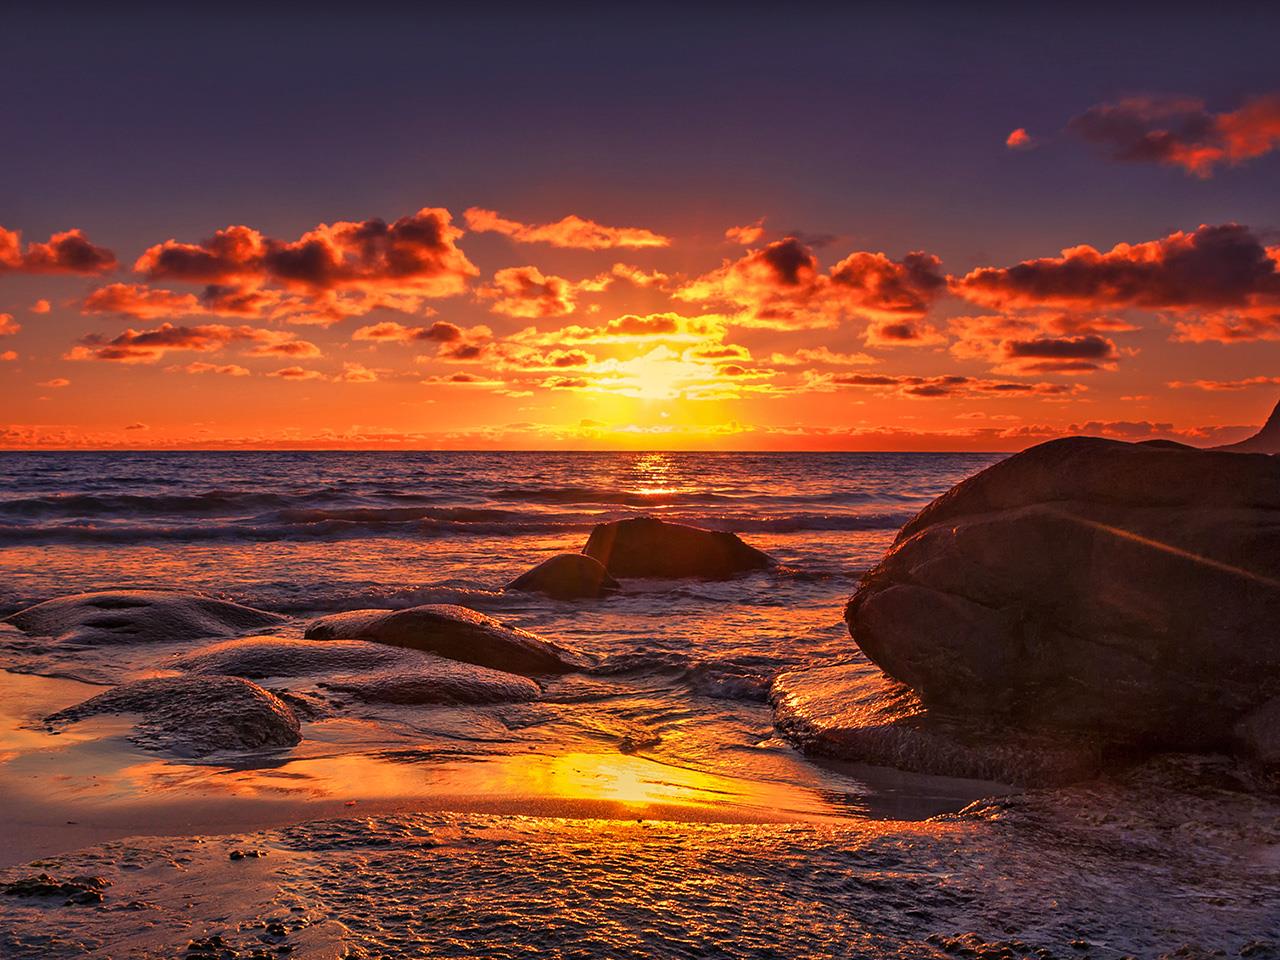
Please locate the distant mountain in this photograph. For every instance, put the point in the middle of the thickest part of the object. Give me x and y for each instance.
(1266, 440)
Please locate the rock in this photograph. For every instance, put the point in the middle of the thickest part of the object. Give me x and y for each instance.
(261, 657)
(139, 616)
(1258, 734)
(194, 716)
(567, 576)
(1124, 590)
(648, 547)
(852, 711)
(436, 680)
(456, 633)
(1266, 440)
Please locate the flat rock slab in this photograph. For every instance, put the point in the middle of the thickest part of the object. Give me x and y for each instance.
(194, 716)
(567, 576)
(435, 680)
(852, 711)
(258, 658)
(648, 547)
(139, 616)
(454, 632)
(1125, 590)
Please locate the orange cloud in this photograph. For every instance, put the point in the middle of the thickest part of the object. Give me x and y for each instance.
(67, 252)
(333, 271)
(747, 234)
(441, 331)
(631, 328)
(8, 326)
(1020, 140)
(1223, 280)
(296, 374)
(148, 346)
(1181, 132)
(948, 386)
(1051, 343)
(200, 367)
(55, 383)
(527, 292)
(9, 356)
(903, 333)
(1224, 386)
(781, 286)
(356, 373)
(572, 231)
(41, 306)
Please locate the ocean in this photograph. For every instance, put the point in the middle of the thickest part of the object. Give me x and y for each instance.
(684, 666)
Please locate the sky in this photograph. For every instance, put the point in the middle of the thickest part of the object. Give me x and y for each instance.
(807, 227)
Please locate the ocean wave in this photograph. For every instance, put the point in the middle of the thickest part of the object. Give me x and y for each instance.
(745, 679)
(358, 523)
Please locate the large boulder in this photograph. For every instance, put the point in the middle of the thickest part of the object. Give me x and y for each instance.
(566, 576)
(453, 632)
(852, 711)
(1266, 440)
(1130, 590)
(435, 680)
(194, 716)
(259, 658)
(139, 616)
(649, 547)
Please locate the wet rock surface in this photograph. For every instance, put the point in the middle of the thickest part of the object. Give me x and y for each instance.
(435, 680)
(567, 576)
(648, 547)
(260, 657)
(852, 711)
(194, 716)
(454, 632)
(1125, 590)
(139, 616)
(1176, 859)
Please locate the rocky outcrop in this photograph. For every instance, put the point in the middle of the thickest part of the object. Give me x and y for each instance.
(258, 658)
(435, 680)
(139, 616)
(648, 547)
(567, 576)
(194, 716)
(1266, 440)
(852, 711)
(456, 633)
(1127, 591)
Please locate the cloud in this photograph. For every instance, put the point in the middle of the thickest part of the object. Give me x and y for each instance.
(781, 286)
(55, 383)
(903, 333)
(746, 235)
(572, 231)
(631, 328)
(41, 306)
(201, 367)
(336, 270)
(527, 293)
(137, 426)
(356, 373)
(140, 302)
(1020, 140)
(937, 387)
(8, 356)
(67, 252)
(297, 374)
(8, 326)
(1180, 131)
(1223, 386)
(441, 331)
(1030, 344)
(1222, 280)
(823, 356)
(148, 346)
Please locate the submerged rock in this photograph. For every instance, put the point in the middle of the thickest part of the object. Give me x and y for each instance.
(435, 680)
(194, 716)
(649, 547)
(456, 633)
(852, 711)
(568, 576)
(1126, 590)
(261, 657)
(139, 616)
